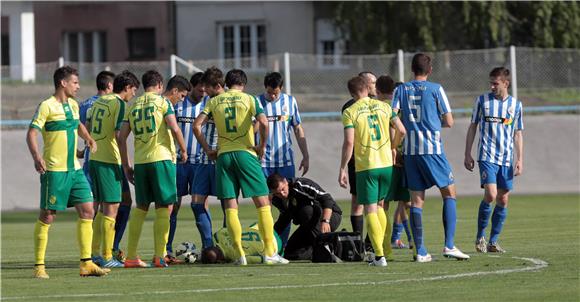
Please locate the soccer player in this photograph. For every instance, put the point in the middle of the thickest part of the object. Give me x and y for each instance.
(176, 90)
(238, 160)
(62, 181)
(303, 202)
(104, 121)
(224, 250)
(196, 177)
(366, 128)
(356, 210)
(500, 120)
(425, 110)
(152, 120)
(283, 116)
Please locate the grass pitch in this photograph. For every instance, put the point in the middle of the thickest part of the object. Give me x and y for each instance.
(541, 236)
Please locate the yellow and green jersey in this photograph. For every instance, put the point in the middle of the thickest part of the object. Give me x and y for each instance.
(232, 112)
(146, 117)
(252, 243)
(105, 118)
(58, 123)
(372, 144)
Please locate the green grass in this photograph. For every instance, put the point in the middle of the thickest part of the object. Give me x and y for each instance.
(540, 227)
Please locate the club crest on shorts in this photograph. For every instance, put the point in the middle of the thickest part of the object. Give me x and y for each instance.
(52, 199)
(483, 175)
(451, 176)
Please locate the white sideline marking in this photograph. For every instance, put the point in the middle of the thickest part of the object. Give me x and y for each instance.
(538, 265)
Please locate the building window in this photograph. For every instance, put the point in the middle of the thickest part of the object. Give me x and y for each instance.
(141, 43)
(5, 50)
(86, 47)
(242, 45)
(331, 46)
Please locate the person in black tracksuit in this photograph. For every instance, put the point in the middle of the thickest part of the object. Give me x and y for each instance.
(306, 204)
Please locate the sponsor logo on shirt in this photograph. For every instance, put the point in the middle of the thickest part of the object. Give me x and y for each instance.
(279, 118)
(185, 119)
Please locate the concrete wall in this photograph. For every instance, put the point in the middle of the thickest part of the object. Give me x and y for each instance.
(289, 25)
(551, 162)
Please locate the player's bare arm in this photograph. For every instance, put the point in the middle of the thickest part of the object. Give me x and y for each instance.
(347, 149)
(468, 162)
(519, 144)
(197, 124)
(31, 140)
(262, 122)
(125, 162)
(301, 140)
(84, 134)
(447, 120)
(177, 135)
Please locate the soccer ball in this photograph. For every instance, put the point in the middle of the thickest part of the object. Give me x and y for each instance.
(189, 257)
(184, 248)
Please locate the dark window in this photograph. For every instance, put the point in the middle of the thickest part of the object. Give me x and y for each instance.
(328, 52)
(262, 46)
(5, 50)
(228, 42)
(141, 43)
(103, 46)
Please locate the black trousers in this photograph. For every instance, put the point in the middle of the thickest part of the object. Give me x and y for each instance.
(300, 244)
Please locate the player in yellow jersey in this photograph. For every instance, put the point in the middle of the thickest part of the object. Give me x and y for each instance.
(62, 182)
(366, 126)
(152, 120)
(238, 159)
(104, 120)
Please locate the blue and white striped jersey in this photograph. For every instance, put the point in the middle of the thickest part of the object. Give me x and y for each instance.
(186, 112)
(498, 120)
(283, 115)
(421, 103)
(83, 108)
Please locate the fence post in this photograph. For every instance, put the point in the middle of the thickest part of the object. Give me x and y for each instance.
(287, 73)
(514, 82)
(401, 57)
(172, 65)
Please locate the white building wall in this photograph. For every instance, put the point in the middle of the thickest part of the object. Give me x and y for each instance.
(21, 35)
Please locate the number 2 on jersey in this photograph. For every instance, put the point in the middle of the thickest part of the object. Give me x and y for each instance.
(145, 114)
(230, 117)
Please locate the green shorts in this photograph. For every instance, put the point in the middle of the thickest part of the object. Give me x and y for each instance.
(59, 190)
(155, 182)
(239, 170)
(398, 190)
(373, 185)
(107, 179)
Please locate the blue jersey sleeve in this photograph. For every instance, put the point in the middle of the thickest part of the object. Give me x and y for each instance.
(442, 101)
(476, 113)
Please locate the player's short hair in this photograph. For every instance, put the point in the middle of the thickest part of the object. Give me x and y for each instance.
(500, 72)
(421, 64)
(273, 80)
(178, 82)
(366, 74)
(104, 78)
(385, 84)
(196, 79)
(274, 181)
(356, 84)
(236, 77)
(124, 79)
(151, 78)
(63, 73)
(213, 76)
(212, 254)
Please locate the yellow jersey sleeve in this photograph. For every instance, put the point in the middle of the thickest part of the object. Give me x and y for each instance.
(347, 119)
(40, 116)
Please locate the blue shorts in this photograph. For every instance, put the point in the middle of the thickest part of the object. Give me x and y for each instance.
(185, 175)
(425, 171)
(490, 173)
(204, 180)
(287, 172)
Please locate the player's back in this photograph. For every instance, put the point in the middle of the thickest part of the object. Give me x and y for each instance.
(146, 116)
(232, 112)
(251, 243)
(105, 117)
(422, 103)
(370, 119)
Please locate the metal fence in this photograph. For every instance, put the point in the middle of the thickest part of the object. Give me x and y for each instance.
(544, 76)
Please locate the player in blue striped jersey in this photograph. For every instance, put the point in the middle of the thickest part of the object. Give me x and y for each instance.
(196, 177)
(283, 118)
(425, 110)
(500, 120)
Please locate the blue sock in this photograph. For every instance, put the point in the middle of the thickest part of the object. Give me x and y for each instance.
(172, 227)
(483, 218)
(449, 221)
(120, 224)
(407, 229)
(497, 220)
(203, 223)
(417, 229)
(397, 230)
